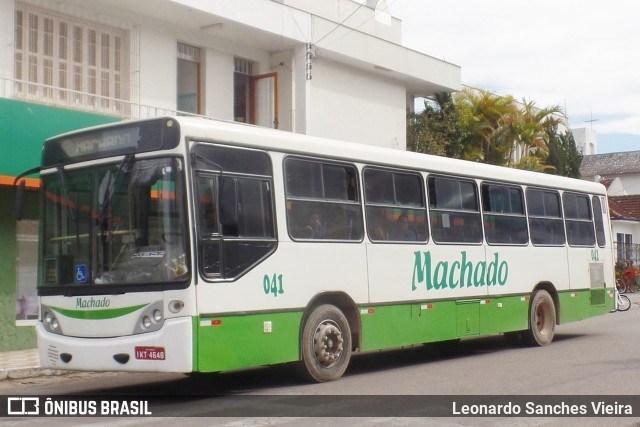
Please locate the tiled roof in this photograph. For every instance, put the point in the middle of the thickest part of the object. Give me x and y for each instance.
(625, 207)
(609, 164)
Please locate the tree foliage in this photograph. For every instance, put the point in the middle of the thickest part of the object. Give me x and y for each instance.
(435, 130)
(483, 127)
(486, 121)
(564, 155)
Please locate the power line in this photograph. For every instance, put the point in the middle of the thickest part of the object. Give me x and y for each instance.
(342, 22)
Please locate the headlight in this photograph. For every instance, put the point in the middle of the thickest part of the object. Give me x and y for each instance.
(146, 322)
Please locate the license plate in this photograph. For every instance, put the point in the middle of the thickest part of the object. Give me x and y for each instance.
(150, 353)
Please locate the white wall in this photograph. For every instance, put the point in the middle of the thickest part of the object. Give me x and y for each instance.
(586, 140)
(219, 84)
(356, 106)
(630, 184)
(158, 68)
(626, 227)
(7, 19)
(348, 100)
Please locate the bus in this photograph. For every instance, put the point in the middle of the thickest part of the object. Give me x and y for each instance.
(187, 245)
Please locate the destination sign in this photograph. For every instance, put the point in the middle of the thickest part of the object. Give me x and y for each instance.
(93, 143)
(115, 140)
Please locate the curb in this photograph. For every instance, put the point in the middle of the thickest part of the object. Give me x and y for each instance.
(29, 372)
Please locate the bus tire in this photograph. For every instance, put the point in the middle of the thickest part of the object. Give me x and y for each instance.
(326, 344)
(542, 320)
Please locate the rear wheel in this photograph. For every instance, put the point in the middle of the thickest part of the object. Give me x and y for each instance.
(326, 344)
(542, 319)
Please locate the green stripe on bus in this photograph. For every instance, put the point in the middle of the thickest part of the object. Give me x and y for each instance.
(390, 326)
(98, 314)
(242, 341)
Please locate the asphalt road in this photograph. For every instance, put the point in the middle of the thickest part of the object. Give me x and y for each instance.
(598, 356)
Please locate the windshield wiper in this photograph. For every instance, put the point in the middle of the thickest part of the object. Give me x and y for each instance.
(112, 184)
(62, 176)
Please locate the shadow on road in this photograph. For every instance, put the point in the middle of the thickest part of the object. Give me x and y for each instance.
(286, 375)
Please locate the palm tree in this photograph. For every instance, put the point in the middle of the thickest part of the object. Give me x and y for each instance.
(483, 127)
(487, 125)
(533, 129)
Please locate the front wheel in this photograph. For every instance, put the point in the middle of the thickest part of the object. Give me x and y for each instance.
(624, 303)
(326, 344)
(542, 319)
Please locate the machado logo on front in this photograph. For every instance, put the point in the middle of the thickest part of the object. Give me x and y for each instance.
(461, 273)
(92, 302)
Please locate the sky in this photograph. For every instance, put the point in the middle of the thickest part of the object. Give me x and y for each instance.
(583, 55)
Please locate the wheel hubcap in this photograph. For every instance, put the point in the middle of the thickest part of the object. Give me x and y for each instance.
(543, 318)
(328, 343)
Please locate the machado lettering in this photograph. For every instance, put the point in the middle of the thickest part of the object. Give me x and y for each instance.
(461, 273)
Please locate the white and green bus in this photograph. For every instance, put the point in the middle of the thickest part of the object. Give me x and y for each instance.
(190, 245)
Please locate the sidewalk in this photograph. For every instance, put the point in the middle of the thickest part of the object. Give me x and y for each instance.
(23, 364)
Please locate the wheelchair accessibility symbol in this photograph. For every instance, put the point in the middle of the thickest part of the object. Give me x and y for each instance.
(81, 273)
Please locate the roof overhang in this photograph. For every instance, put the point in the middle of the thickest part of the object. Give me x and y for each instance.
(274, 27)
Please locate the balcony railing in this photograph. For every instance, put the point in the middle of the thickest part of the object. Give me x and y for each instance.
(83, 101)
(627, 252)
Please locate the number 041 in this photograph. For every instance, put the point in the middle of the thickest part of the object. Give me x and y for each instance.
(272, 284)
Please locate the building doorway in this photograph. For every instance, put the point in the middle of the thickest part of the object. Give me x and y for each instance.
(255, 95)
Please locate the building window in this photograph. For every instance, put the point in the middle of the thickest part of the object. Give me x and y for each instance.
(26, 270)
(61, 61)
(242, 90)
(188, 79)
(624, 243)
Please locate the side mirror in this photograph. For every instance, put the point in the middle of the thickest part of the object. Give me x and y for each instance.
(20, 187)
(19, 208)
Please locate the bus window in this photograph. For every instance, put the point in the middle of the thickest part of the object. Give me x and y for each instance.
(395, 206)
(545, 217)
(454, 216)
(597, 216)
(322, 201)
(235, 209)
(504, 219)
(577, 212)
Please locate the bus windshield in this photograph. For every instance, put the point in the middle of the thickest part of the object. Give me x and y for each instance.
(119, 224)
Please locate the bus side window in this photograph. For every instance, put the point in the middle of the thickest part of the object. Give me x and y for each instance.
(395, 206)
(454, 212)
(235, 208)
(504, 218)
(599, 222)
(545, 217)
(578, 220)
(323, 200)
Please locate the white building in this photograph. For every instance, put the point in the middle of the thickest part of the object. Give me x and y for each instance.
(332, 68)
(620, 172)
(586, 140)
